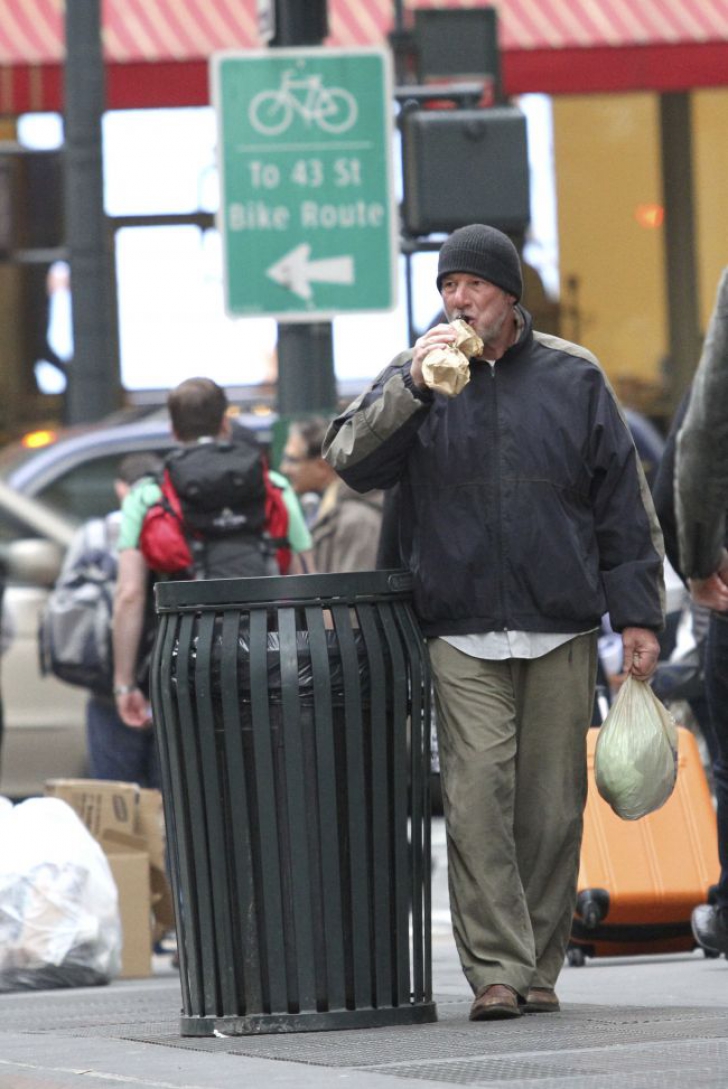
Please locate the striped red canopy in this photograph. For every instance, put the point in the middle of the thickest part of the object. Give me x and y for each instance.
(158, 50)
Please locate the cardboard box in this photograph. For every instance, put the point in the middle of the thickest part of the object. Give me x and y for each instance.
(101, 804)
(128, 822)
(129, 863)
(150, 826)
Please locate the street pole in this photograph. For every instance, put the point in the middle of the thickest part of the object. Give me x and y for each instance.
(93, 382)
(685, 338)
(306, 376)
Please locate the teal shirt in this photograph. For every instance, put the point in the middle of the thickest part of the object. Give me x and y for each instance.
(147, 492)
(136, 503)
(299, 537)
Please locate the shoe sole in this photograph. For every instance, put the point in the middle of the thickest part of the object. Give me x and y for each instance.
(541, 1007)
(704, 945)
(497, 1013)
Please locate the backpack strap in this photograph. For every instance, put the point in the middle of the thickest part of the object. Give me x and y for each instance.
(276, 521)
(164, 541)
(96, 535)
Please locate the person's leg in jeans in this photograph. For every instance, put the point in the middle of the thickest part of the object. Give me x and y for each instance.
(117, 751)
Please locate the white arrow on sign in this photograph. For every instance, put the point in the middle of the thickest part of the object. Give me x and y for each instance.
(297, 273)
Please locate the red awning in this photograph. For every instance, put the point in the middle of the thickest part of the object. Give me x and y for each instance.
(158, 50)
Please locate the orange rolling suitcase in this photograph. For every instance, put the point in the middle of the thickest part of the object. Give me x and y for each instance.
(640, 880)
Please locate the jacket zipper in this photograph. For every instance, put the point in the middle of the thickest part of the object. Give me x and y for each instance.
(497, 491)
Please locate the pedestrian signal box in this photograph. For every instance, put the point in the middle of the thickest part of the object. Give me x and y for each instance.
(464, 166)
(31, 198)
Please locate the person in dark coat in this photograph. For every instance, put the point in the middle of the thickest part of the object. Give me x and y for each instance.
(525, 517)
(701, 505)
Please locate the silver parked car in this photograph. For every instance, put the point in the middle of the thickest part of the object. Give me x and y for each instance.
(42, 716)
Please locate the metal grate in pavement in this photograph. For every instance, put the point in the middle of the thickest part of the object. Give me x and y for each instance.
(698, 1065)
(91, 1011)
(587, 1047)
(453, 1040)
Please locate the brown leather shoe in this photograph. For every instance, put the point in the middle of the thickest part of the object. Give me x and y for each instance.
(541, 1000)
(495, 1003)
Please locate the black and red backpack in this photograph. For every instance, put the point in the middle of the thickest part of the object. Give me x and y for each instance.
(219, 516)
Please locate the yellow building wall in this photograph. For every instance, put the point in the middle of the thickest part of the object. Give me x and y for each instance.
(607, 157)
(612, 265)
(710, 159)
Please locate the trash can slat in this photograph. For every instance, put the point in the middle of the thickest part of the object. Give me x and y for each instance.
(381, 815)
(203, 949)
(247, 958)
(416, 779)
(401, 852)
(295, 774)
(214, 814)
(328, 826)
(171, 775)
(270, 913)
(420, 778)
(357, 821)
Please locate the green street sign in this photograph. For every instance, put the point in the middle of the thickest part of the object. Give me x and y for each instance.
(307, 210)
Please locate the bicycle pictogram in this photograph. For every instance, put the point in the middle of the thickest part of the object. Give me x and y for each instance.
(333, 109)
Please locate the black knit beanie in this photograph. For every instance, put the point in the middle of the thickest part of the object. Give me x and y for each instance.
(485, 252)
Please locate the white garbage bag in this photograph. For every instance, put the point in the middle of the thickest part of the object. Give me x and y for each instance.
(59, 908)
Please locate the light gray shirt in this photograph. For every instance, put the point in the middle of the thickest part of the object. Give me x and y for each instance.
(498, 645)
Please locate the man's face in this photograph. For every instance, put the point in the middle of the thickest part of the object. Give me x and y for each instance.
(304, 472)
(481, 304)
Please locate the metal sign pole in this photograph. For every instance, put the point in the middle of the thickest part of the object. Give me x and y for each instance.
(93, 382)
(306, 375)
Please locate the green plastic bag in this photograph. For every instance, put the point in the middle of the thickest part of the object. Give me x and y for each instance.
(635, 761)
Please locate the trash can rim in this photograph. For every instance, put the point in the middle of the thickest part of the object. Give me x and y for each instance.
(327, 589)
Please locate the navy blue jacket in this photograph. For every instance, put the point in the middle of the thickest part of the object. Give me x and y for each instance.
(524, 505)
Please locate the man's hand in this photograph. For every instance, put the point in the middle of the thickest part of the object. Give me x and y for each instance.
(641, 651)
(712, 592)
(440, 336)
(133, 709)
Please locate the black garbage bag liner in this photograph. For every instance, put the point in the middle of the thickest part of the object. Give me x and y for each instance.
(306, 665)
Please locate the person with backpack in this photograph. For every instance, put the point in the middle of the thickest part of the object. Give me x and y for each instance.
(75, 636)
(217, 512)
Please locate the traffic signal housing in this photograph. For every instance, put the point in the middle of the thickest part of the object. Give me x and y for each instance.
(464, 166)
(31, 199)
(300, 22)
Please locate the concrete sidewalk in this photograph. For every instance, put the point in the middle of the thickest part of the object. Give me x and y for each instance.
(632, 1023)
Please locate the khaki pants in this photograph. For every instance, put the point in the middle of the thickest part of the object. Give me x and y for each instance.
(512, 741)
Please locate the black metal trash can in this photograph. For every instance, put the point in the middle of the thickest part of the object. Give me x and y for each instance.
(293, 723)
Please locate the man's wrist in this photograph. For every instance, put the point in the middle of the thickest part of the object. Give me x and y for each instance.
(124, 689)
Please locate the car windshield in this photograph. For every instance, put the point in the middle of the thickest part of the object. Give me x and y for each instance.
(85, 490)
